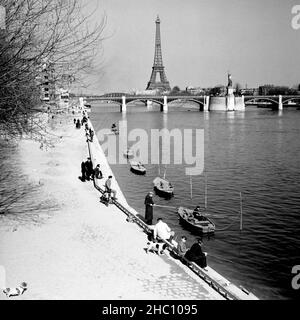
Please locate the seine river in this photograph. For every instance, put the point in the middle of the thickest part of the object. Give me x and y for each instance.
(256, 152)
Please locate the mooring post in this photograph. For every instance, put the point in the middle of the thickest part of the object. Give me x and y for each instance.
(123, 105)
(165, 106)
(206, 103)
(280, 105)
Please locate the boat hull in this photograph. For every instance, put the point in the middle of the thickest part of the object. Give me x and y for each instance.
(137, 171)
(163, 193)
(162, 188)
(186, 218)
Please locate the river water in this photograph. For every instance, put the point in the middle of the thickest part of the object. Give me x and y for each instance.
(256, 152)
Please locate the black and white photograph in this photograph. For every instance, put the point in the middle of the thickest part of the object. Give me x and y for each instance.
(150, 152)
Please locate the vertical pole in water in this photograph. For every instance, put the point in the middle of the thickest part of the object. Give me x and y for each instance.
(205, 198)
(165, 172)
(241, 212)
(191, 184)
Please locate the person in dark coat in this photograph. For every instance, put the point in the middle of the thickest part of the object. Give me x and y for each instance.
(91, 134)
(83, 173)
(98, 172)
(197, 213)
(149, 208)
(195, 254)
(89, 169)
(84, 120)
(78, 125)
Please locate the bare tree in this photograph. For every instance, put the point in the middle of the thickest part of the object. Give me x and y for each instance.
(62, 34)
(39, 33)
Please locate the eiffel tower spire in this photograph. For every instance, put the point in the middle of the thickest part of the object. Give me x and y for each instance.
(158, 64)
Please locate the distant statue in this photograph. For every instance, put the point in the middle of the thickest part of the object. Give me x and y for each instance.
(229, 81)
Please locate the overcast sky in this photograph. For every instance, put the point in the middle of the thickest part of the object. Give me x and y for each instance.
(201, 41)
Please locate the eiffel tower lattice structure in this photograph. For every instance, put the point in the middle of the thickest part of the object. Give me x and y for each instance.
(158, 65)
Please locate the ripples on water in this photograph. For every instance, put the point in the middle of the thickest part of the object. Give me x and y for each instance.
(257, 153)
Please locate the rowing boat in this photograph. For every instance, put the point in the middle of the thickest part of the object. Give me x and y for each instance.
(163, 187)
(137, 167)
(202, 224)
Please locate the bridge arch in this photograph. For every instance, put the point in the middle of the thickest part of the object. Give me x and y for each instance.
(263, 99)
(291, 99)
(144, 100)
(117, 101)
(199, 102)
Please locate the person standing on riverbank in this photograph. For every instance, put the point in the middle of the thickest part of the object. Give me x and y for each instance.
(108, 187)
(83, 173)
(89, 169)
(78, 125)
(91, 134)
(149, 208)
(98, 172)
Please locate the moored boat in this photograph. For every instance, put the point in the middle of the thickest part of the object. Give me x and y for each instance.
(163, 187)
(202, 224)
(137, 167)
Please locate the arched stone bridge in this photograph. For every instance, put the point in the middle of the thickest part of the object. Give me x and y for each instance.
(124, 100)
(275, 102)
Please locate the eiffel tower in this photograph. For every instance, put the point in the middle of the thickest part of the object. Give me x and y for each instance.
(158, 65)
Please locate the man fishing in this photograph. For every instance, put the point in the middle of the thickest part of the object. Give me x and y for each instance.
(149, 208)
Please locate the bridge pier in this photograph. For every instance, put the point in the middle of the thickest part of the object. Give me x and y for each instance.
(280, 105)
(149, 104)
(206, 103)
(164, 107)
(123, 106)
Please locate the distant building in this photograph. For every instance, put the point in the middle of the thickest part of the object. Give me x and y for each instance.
(147, 92)
(47, 83)
(276, 90)
(266, 89)
(249, 91)
(114, 94)
(195, 90)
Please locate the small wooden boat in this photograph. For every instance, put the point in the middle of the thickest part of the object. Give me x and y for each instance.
(163, 187)
(128, 154)
(137, 167)
(203, 224)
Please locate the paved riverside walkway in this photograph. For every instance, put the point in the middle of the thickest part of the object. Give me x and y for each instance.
(83, 249)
